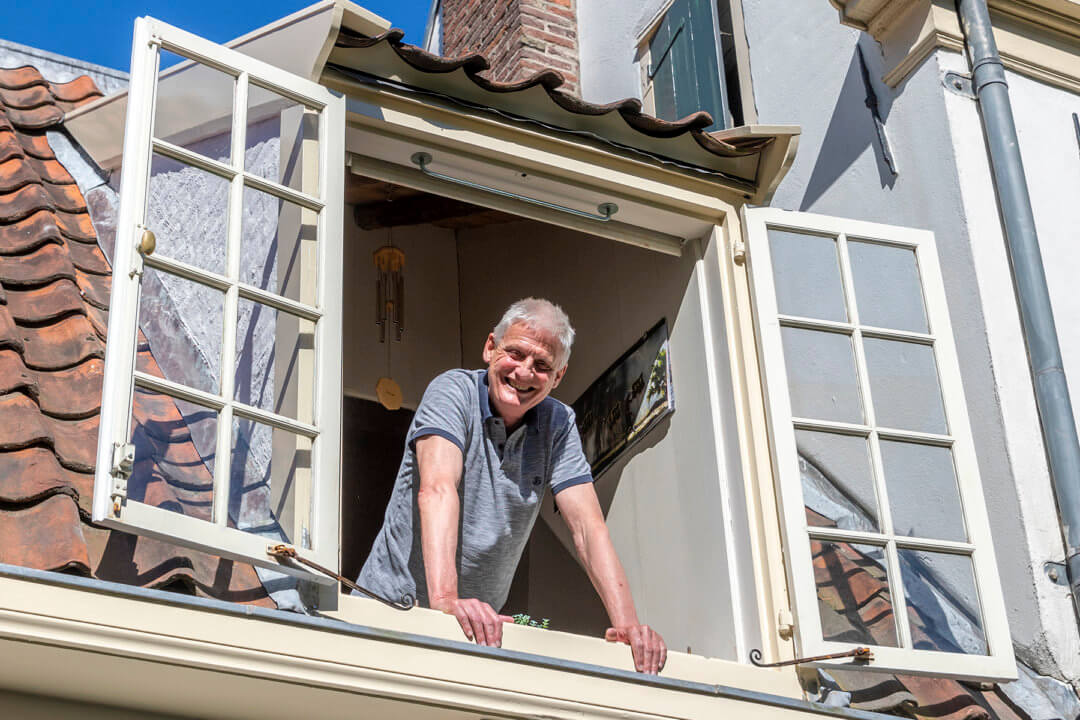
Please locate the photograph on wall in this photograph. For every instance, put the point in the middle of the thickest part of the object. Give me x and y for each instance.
(627, 400)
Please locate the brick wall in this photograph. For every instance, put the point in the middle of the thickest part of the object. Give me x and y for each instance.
(518, 37)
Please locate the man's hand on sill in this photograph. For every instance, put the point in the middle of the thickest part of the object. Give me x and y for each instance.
(650, 652)
(478, 620)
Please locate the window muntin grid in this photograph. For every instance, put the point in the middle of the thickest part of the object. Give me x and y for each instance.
(130, 372)
(861, 517)
(297, 307)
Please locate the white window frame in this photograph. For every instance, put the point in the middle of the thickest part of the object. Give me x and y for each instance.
(111, 508)
(999, 663)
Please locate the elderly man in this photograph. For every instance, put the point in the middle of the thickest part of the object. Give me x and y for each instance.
(482, 447)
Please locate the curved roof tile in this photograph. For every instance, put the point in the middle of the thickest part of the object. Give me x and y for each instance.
(540, 98)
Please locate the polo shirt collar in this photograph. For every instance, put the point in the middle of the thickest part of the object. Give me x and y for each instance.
(484, 398)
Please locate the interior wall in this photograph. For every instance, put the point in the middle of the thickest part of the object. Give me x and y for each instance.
(431, 342)
(663, 498)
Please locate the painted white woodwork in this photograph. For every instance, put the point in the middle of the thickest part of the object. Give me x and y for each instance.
(811, 280)
(311, 416)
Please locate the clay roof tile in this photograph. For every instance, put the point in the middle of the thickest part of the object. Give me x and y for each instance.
(24, 235)
(62, 344)
(47, 536)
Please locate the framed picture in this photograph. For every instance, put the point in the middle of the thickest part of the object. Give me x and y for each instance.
(627, 400)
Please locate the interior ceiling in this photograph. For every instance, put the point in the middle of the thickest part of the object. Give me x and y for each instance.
(378, 204)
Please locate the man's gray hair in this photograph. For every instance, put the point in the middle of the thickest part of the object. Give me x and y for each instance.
(543, 316)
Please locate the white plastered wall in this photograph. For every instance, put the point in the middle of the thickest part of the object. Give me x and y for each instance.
(1049, 641)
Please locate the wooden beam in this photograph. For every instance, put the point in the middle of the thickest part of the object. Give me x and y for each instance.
(416, 210)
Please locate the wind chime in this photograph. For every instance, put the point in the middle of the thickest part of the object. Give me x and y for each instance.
(389, 312)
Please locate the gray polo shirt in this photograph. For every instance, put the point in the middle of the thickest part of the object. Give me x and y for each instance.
(502, 483)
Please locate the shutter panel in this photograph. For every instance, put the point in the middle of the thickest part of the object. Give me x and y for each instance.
(685, 66)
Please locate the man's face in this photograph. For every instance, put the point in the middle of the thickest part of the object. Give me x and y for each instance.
(521, 370)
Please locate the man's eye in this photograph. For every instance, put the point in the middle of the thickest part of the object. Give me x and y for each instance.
(515, 354)
(543, 367)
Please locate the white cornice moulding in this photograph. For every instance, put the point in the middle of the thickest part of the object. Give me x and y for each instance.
(1036, 38)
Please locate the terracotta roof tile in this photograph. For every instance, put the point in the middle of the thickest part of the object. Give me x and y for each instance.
(38, 267)
(76, 226)
(23, 202)
(550, 81)
(37, 119)
(95, 288)
(89, 258)
(47, 536)
(24, 235)
(9, 144)
(26, 98)
(35, 145)
(71, 394)
(9, 333)
(34, 473)
(54, 293)
(21, 77)
(47, 303)
(16, 173)
(62, 344)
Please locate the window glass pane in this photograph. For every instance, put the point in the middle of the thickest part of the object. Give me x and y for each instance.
(282, 140)
(277, 246)
(821, 375)
(174, 444)
(269, 468)
(904, 385)
(887, 288)
(188, 209)
(853, 592)
(838, 484)
(806, 270)
(943, 604)
(193, 107)
(181, 324)
(923, 495)
(275, 359)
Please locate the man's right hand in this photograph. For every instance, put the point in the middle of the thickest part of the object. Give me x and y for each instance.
(478, 620)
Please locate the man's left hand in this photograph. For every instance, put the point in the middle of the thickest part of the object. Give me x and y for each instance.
(650, 652)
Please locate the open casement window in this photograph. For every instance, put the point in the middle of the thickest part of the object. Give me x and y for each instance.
(885, 527)
(684, 67)
(220, 421)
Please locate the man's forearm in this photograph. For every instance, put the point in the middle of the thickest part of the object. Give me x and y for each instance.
(602, 564)
(439, 512)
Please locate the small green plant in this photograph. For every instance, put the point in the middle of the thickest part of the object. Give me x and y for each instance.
(523, 619)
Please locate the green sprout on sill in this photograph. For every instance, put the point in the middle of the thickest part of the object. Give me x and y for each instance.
(523, 619)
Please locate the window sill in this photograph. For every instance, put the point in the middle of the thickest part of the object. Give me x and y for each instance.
(99, 642)
(567, 646)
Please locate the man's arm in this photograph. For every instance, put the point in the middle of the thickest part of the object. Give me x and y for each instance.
(580, 509)
(440, 463)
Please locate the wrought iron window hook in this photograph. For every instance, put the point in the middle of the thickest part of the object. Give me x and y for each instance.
(861, 655)
(286, 553)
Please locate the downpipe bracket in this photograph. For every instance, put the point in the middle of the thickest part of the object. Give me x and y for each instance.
(958, 84)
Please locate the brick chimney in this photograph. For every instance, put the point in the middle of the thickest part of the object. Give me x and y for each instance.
(518, 37)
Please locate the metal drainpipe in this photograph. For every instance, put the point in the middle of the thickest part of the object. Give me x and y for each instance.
(1040, 335)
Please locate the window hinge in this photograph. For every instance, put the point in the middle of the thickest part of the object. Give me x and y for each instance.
(738, 252)
(785, 624)
(123, 462)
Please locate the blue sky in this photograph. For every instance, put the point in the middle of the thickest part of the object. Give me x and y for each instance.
(100, 32)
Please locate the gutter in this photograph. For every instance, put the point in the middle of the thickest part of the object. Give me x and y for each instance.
(426, 642)
(1022, 242)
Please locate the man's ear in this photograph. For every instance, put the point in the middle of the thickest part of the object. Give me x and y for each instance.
(559, 376)
(489, 348)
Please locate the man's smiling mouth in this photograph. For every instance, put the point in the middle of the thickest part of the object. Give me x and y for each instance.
(520, 388)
